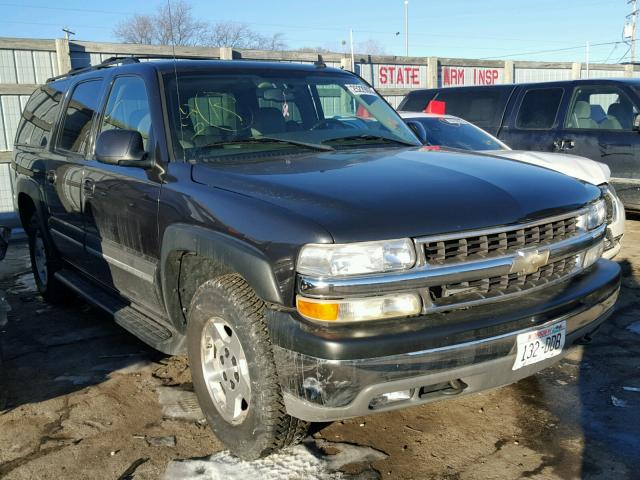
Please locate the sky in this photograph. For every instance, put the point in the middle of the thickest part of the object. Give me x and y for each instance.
(553, 30)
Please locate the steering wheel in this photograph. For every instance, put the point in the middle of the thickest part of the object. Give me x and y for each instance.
(330, 123)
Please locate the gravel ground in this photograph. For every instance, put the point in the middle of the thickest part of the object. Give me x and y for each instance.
(81, 398)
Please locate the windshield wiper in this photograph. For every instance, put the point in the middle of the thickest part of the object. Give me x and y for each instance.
(369, 136)
(297, 143)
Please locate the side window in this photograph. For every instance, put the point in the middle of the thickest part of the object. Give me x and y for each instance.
(128, 107)
(539, 108)
(38, 116)
(78, 117)
(601, 107)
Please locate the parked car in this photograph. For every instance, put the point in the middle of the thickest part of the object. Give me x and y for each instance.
(453, 133)
(279, 224)
(597, 119)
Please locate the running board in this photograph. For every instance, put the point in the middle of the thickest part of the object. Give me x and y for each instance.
(150, 331)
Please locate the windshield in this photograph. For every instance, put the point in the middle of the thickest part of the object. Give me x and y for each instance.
(454, 132)
(222, 117)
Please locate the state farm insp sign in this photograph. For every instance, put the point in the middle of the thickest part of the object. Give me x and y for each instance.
(459, 76)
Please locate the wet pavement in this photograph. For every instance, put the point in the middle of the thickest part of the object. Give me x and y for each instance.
(81, 398)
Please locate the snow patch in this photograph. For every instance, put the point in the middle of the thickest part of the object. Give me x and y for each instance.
(634, 327)
(302, 461)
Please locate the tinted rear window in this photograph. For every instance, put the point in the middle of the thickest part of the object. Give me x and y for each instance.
(482, 107)
(39, 116)
(539, 108)
(416, 101)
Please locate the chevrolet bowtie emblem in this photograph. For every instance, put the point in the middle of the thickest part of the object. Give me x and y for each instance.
(529, 261)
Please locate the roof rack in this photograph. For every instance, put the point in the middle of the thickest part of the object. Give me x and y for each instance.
(123, 61)
(107, 63)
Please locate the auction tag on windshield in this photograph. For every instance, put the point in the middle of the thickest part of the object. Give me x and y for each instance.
(538, 345)
(358, 89)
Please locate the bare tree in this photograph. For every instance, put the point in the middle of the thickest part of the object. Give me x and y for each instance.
(240, 35)
(138, 29)
(370, 47)
(175, 24)
(315, 50)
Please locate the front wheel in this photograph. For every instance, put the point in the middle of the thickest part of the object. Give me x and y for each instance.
(233, 370)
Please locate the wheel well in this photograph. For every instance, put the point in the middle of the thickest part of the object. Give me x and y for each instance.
(26, 208)
(185, 272)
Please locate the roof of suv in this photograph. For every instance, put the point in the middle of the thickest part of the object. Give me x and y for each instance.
(170, 66)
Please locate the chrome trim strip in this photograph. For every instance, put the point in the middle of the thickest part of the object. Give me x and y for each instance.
(123, 266)
(493, 231)
(425, 276)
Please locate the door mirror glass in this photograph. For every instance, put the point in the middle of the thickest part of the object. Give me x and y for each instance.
(418, 129)
(122, 147)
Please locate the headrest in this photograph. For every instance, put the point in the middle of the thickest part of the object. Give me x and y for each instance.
(582, 109)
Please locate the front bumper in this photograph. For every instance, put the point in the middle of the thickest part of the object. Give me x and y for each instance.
(321, 388)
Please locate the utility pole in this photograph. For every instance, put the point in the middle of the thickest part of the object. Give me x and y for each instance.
(67, 32)
(353, 57)
(632, 22)
(406, 27)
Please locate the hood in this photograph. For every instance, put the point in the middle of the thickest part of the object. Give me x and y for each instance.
(581, 168)
(380, 194)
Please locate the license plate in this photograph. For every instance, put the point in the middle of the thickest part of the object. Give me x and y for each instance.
(538, 345)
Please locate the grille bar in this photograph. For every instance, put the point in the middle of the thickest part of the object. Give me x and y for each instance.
(495, 244)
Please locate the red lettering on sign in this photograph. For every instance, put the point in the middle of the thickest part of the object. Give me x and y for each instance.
(400, 78)
(383, 75)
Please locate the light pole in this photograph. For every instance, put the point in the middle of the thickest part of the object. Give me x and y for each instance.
(406, 27)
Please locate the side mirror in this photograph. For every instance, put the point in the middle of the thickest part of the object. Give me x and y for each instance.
(418, 129)
(636, 123)
(122, 147)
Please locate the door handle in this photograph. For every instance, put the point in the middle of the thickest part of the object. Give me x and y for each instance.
(51, 176)
(89, 186)
(564, 144)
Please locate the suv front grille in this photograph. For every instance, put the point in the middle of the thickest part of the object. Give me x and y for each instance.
(491, 287)
(493, 244)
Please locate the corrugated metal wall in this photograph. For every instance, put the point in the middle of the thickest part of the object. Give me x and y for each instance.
(24, 63)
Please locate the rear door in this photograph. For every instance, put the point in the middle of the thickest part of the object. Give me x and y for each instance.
(599, 125)
(65, 167)
(533, 123)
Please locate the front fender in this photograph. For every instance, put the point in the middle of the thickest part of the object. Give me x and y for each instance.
(228, 253)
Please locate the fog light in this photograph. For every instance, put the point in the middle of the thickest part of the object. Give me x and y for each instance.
(389, 398)
(592, 255)
(359, 309)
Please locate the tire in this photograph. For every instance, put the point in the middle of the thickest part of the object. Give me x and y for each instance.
(45, 263)
(226, 313)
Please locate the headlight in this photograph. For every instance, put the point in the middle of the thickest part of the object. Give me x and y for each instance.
(594, 217)
(336, 260)
(360, 309)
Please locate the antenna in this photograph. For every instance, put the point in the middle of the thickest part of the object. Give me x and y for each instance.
(320, 62)
(175, 66)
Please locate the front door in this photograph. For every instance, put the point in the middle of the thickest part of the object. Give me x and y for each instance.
(599, 125)
(64, 171)
(121, 204)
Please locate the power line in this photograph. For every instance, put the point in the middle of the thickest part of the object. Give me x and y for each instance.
(537, 52)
